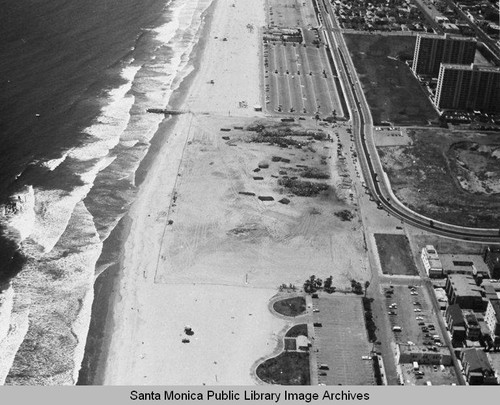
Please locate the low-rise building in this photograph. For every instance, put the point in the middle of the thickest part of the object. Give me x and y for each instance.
(441, 298)
(477, 368)
(422, 355)
(462, 290)
(431, 262)
(492, 259)
(472, 265)
(456, 323)
(472, 328)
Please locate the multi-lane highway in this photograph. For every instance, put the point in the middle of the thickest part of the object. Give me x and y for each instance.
(374, 174)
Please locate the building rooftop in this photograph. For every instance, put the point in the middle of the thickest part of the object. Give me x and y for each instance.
(490, 292)
(478, 361)
(448, 36)
(472, 66)
(456, 315)
(404, 348)
(431, 251)
(496, 307)
(456, 263)
(435, 264)
(440, 294)
(471, 319)
(464, 285)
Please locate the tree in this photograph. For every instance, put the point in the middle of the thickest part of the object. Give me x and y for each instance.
(308, 286)
(367, 284)
(328, 283)
(356, 286)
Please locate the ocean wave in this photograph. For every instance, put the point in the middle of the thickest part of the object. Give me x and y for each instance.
(152, 87)
(64, 227)
(52, 164)
(54, 207)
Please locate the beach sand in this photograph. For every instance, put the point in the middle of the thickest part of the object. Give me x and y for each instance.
(221, 260)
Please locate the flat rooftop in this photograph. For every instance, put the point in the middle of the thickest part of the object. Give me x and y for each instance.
(456, 263)
(464, 285)
(472, 66)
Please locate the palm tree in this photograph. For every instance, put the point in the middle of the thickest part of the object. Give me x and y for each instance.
(367, 284)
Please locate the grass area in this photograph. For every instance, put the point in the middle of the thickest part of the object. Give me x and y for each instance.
(289, 368)
(393, 93)
(395, 254)
(290, 344)
(297, 330)
(448, 176)
(290, 306)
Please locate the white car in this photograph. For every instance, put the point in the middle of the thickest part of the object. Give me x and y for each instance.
(417, 310)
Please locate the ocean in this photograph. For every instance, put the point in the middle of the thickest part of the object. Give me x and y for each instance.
(76, 78)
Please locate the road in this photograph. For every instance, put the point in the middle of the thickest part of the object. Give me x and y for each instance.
(371, 165)
(373, 171)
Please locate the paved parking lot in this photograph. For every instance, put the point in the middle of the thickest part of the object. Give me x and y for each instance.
(342, 341)
(412, 311)
(298, 77)
(436, 375)
(299, 80)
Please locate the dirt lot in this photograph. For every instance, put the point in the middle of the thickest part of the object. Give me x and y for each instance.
(393, 93)
(451, 176)
(342, 341)
(224, 230)
(395, 255)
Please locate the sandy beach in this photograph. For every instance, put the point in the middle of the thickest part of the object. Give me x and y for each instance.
(198, 253)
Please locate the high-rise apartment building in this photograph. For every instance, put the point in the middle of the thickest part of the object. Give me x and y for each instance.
(432, 50)
(468, 87)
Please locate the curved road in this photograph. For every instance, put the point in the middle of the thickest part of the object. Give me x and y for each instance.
(375, 176)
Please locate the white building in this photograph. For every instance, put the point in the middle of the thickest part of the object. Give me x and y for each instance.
(431, 262)
(492, 317)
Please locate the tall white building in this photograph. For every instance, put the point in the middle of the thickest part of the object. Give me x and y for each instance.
(431, 262)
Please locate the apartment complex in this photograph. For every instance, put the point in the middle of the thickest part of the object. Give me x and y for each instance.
(468, 87)
(432, 50)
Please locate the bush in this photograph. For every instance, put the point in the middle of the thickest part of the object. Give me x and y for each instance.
(303, 188)
(314, 173)
(370, 324)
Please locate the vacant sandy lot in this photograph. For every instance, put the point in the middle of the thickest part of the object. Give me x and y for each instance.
(201, 254)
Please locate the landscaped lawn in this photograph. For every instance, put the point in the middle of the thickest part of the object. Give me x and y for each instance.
(288, 368)
(290, 306)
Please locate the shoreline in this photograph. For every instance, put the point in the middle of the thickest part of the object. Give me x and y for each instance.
(154, 302)
(106, 286)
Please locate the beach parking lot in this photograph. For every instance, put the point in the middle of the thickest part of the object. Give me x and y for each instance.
(342, 341)
(298, 76)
